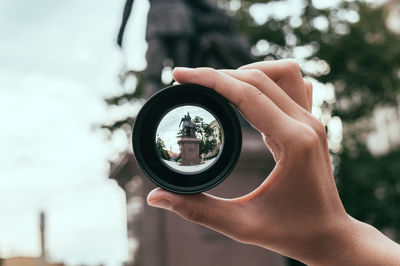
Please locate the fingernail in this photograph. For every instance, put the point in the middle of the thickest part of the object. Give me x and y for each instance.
(186, 69)
(163, 204)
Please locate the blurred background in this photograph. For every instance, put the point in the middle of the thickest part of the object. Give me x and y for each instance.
(74, 74)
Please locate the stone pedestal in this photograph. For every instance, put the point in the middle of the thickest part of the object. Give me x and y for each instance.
(190, 151)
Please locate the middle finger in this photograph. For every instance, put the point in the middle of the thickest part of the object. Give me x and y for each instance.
(266, 86)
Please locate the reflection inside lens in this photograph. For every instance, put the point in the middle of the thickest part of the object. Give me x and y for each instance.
(189, 139)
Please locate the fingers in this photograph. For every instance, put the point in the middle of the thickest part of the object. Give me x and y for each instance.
(254, 105)
(309, 90)
(287, 74)
(223, 215)
(263, 83)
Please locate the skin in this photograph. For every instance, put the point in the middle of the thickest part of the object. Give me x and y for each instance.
(297, 210)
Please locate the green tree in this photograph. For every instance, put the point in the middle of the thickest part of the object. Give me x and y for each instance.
(204, 132)
(162, 149)
(353, 50)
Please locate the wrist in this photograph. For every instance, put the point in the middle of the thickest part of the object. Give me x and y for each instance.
(321, 242)
(355, 243)
(330, 243)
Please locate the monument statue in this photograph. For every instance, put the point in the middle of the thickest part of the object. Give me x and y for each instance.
(187, 33)
(188, 127)
(189, 144)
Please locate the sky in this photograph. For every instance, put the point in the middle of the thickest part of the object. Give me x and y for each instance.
(169, 125)
(58, 61)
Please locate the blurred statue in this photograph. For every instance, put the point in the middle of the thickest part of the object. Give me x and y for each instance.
(188, 127)
(187, 33)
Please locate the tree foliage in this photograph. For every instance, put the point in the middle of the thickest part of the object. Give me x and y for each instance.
(356, 53)
(162, 150)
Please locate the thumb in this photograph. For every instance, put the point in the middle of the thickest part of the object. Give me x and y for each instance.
(223, 215)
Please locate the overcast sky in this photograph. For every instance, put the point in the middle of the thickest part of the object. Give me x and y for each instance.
(58, 60)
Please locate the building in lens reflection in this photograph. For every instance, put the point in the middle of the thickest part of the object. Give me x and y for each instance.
(216, 137)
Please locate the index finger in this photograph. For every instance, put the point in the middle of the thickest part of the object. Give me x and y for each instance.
(287, 74)
(258, 109)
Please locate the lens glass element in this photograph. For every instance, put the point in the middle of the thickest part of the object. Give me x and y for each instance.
(189, 139)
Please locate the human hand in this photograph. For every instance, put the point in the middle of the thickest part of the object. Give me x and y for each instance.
(296, 211)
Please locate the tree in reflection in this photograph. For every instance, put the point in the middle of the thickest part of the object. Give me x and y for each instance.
(208, 144)
(162, 151)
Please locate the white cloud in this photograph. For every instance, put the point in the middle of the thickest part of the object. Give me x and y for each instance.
(58, 61)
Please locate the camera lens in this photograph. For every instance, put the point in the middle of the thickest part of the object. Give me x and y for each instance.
(187, 138)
